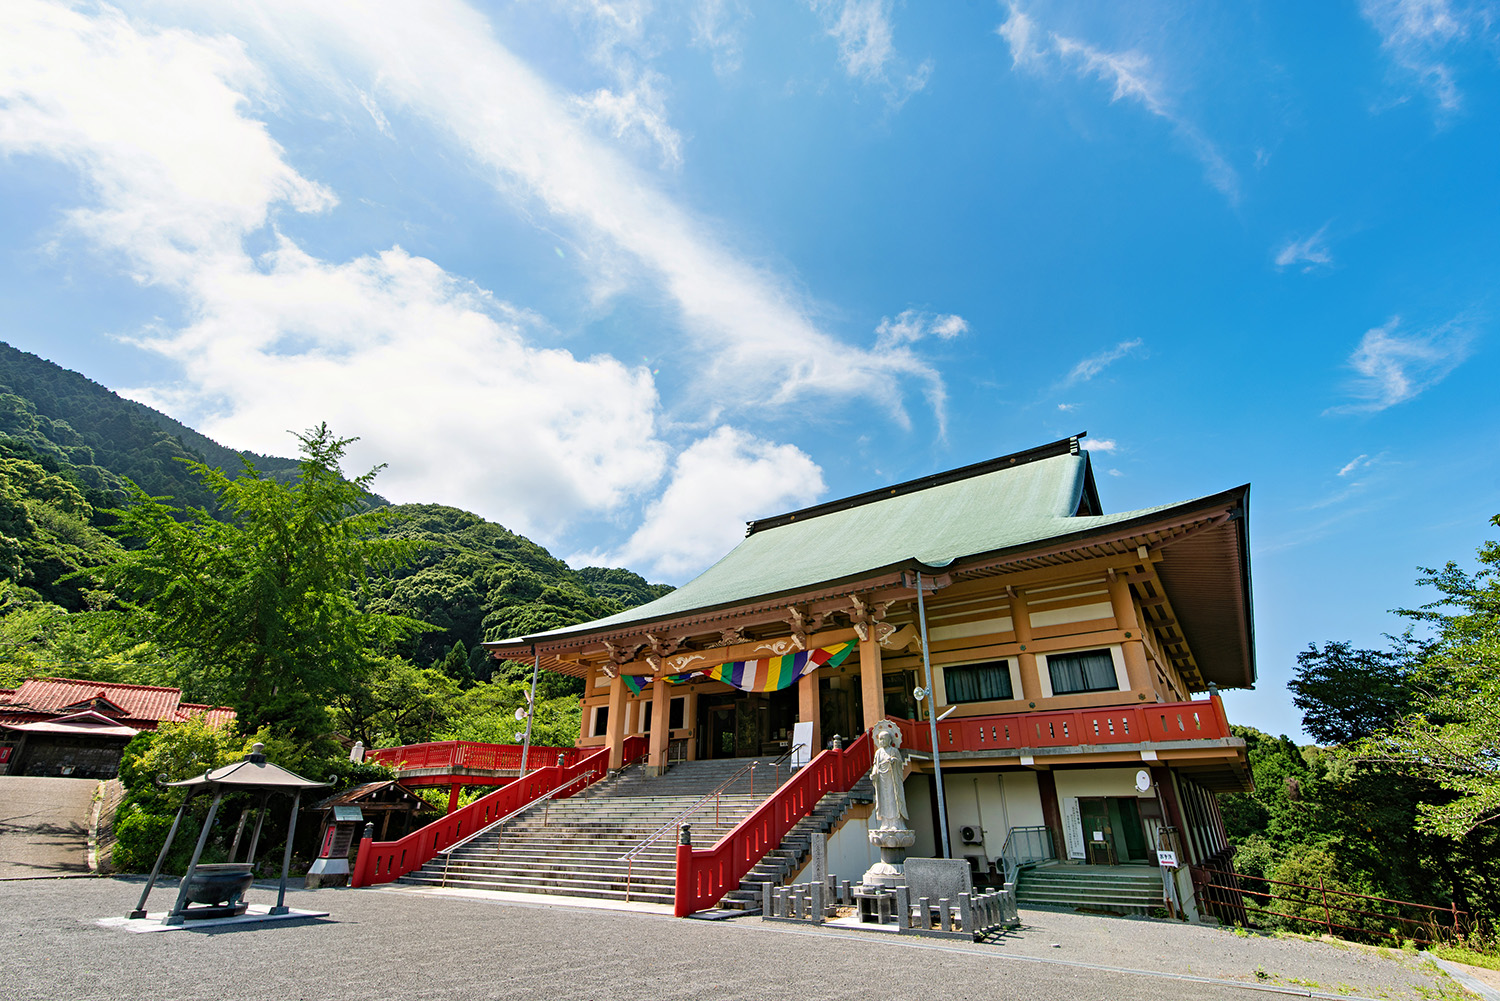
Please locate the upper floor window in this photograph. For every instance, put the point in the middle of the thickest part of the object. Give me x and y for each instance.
(978, 682)
(1085, 671)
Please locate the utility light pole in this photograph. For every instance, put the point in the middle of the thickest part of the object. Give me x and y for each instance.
(937, 767)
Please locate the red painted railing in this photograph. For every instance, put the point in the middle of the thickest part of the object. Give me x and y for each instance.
(452, 754)
(704, 876)
(1203, 719)
(386, 861)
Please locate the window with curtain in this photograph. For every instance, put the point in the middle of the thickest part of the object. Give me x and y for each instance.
(1085, 671)
(978, 682)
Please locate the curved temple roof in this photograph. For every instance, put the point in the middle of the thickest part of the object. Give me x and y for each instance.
(945, 521)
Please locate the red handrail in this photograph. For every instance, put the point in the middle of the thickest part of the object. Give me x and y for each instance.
(387, 861)
(704, 876)
(468, 754)
(1162, 721)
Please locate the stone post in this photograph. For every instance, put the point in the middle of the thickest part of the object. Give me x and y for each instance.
(903, 908)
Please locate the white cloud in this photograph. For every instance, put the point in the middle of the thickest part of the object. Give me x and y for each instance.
(1065, 407)
(1354, 464)
(420, 364)
(1310, 251)
(718, 26)
(862, 29)
(1115, 472)
(911, 326)
(1130, 74)
(1094, 364)
(1420, 35)
(637, 111)
(440, 62)
(1392, 368)
(717, 484)
(1101, 444)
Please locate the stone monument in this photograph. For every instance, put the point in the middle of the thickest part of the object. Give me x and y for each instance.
(891, 833)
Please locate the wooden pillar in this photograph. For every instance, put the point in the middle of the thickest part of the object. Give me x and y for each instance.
(872, 684)
(809, 711)
(1046, 787)
(690, 717)
(1020, 623)
(1137, 670)
(614, 727)
(659, 717)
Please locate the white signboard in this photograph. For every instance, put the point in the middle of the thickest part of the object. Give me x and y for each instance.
(1072, 827)
(802, 744)
(1166, 859)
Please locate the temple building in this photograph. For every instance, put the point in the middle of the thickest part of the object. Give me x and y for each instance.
(1075, 657)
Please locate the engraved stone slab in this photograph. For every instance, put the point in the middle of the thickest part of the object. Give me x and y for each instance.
(938, 877)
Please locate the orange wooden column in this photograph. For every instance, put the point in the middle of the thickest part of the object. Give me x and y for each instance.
(1136, 668)
(871, 684)
(659, 718)
(1020, 623)
(809, 711)
(614, 727)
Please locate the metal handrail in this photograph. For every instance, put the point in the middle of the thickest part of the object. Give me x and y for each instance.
(629, 857)
(1011, 859)
(549, 794)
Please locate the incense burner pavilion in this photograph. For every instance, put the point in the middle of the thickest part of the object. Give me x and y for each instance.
(1075, 658)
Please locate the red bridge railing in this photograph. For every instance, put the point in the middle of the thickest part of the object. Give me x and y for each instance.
(387, 861)
(1201, 719)
(450, 754)
(704, 876)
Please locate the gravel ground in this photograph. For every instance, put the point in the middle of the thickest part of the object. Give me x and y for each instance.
(44, 825)
(396, 944)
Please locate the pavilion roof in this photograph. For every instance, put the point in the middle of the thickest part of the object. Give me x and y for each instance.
(134, 704)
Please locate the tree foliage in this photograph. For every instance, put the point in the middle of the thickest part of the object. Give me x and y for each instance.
(268, 603)
(1347, 694)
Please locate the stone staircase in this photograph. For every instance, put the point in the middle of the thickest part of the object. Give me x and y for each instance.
(572, 847)
(1124, 889)
(788, 857)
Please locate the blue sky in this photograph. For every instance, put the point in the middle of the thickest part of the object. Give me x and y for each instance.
(624, 275)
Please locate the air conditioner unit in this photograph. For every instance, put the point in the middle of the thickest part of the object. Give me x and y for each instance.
(971, 835)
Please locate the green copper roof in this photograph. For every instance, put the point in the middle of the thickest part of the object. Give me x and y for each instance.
(959, 515)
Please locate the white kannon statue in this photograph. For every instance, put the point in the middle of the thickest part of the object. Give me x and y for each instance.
(887, 774)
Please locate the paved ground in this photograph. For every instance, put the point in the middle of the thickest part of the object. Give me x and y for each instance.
(396, 944)
(44, 825)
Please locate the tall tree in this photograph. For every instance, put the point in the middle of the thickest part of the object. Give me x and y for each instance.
(1347, 694)
(269, 603)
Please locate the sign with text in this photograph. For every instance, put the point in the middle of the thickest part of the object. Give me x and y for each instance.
(1167, 859)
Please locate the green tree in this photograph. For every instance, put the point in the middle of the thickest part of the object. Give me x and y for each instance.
(1452, 736)
(1347, 694)
(268, 603)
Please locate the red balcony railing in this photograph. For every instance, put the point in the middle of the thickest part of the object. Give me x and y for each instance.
(704, 876)
(1202, 719)
(452, 754)
(387, 861)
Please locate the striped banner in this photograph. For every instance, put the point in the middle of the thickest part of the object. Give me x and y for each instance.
(769, 674)
(772, 674)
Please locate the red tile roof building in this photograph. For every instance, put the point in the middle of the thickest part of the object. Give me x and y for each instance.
(143, 707)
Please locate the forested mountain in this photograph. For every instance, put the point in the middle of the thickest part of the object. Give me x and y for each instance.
(70, 447)
(59, 419)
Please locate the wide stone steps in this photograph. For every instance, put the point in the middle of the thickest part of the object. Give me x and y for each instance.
(572, 847)
(1128, 889)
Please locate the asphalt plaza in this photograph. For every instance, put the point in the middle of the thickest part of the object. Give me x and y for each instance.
(397, 943)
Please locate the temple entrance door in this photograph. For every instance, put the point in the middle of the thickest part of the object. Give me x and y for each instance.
(1098, 833)
(747, 727)
(716, 731)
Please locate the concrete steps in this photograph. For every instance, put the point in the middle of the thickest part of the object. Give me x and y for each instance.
(1126, 889)
(573, 846)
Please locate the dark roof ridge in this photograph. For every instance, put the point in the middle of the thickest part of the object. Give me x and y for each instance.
(1063, 446)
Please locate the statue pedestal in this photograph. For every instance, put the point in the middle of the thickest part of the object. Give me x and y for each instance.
(887, 873)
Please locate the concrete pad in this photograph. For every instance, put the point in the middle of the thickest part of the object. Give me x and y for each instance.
(256, 914)
(44, 826)
(537, 899)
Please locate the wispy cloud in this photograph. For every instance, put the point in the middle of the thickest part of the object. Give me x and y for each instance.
(867, 51)
(1101, 444)
(1311, 252)
(718, 26)
(1392, 368)
(911, 326)
(1354, 464)
(1131, 76)
(1422, 35)
(1094, 364)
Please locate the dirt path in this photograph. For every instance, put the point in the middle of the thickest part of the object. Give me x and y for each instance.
(44, 825)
